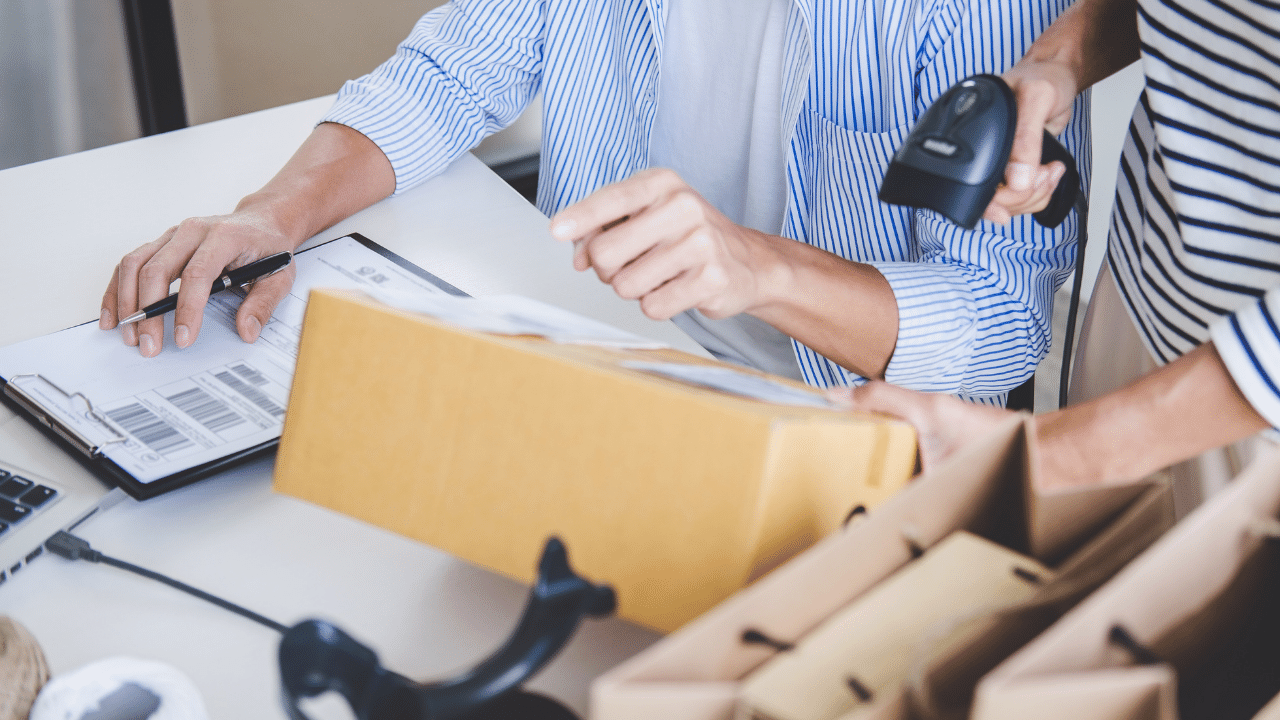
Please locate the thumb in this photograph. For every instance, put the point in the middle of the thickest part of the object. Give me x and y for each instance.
(880, 397)
(263, 298)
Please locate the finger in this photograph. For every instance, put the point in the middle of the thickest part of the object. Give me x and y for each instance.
(1035, 199)
(1036, 99)
(126, 301)
(206, 265)
(997, 213)
(881, 397)
(669, 299)
(107, 318)
(581, 258)
(608, 204)
(665, 262)
(664, 223)
(701, 286)
(263, 298)
(173, 260)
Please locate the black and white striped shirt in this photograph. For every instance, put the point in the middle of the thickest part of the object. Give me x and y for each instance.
(1195, 235)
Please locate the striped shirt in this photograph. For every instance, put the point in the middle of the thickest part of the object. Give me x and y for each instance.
(974, 306)
(1195, 234)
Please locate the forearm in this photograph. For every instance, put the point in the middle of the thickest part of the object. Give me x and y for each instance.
(844, 310)
(334, 174)
(1174, 413)
(1093, 38)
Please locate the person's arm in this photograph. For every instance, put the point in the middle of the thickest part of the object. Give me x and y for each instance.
(335, 173)
(467, 69)
(1173, 413)
(966, 316)
(1090, 41)
(675, 252)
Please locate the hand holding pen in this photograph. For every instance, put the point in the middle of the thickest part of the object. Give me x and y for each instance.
(245, 275)
(199, 251)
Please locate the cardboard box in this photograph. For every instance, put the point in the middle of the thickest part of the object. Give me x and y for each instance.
(484, 445)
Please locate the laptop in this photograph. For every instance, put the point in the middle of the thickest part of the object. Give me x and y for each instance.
(42, 491)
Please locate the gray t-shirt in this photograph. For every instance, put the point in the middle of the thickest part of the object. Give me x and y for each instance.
(718, 125)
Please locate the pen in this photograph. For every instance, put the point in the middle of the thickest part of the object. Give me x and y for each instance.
(256, 270)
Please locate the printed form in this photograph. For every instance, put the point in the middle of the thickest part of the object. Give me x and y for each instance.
(158, 416)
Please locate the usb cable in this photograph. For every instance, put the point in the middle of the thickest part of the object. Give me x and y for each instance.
(65, 545)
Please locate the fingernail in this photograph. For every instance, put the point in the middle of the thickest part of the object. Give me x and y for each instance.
(147, 344)
(129, 334)
(1042, 177)
(253, 327)
(564, 229)
(1020, 175)
(106, 320)
(1058, 172)
(182, 336)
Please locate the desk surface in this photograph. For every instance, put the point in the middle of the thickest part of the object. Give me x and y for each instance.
(67, 221)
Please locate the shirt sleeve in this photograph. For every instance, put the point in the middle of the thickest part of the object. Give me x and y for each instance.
(467, 70)
(975, 310)
(1248, 341)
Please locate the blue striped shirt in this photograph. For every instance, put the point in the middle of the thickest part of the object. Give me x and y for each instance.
(974, 306)
(1195, 234)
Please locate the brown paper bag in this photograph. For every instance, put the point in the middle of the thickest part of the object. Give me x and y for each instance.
(695, 673)
(1190, 630)
(857, 660)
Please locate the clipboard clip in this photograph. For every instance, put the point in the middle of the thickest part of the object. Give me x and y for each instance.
(316, 657)
(46, 418)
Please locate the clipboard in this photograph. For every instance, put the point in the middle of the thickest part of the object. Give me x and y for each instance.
(187, 414)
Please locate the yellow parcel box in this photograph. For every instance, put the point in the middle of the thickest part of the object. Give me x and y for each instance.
(484, 445)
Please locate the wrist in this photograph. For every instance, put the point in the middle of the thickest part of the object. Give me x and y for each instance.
(774, 271)
(276, 215)
(1061, 457)
(1090, 41)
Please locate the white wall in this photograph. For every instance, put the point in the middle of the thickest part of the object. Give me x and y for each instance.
(239, 56)
(1113, 101)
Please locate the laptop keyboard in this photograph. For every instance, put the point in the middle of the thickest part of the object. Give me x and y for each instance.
(21, 498)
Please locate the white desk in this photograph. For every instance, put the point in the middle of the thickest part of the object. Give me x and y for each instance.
(66, 222)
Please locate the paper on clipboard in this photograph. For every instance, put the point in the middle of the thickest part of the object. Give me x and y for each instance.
(158, 417)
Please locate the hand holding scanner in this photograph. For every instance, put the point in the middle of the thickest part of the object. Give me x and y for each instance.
(955, 156)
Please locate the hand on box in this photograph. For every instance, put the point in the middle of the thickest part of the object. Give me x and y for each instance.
(656, 240)
(944, 424)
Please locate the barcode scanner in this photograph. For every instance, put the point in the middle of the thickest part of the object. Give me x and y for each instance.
(955, 156)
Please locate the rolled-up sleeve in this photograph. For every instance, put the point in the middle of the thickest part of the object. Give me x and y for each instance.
(975, 310)
(467, 70)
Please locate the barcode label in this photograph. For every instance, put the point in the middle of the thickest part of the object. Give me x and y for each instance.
(253, 394)
(249, 374)
(149, 428)
(206, 409)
